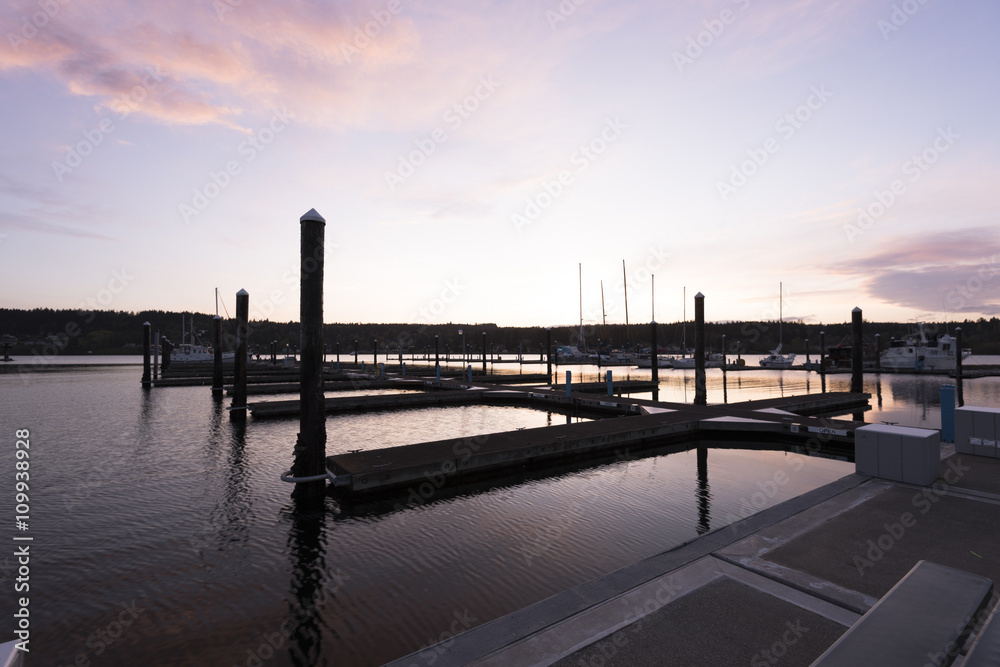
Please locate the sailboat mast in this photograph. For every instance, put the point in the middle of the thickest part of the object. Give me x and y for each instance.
(780, 314)
(628, 335)
(604, 318)
(582, 342)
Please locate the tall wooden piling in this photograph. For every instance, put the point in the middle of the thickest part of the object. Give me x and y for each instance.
(700, 388)
(310, 446)
(822, 360)
(437, 351)
(654, 360)
(355, 351)
(147, 374)
(156, 355)
(548, 354)
(374, 352)
(484, 353)
(857, 351)
(959, 392)
(238, 408)
(878, 352)
(217, 365)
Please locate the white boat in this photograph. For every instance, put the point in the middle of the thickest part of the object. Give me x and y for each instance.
(713, 360)
(775, 359)
(915, 352)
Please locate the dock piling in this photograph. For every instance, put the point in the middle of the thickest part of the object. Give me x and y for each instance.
(878, 352)
(948, 413)
(484, 353)
(654, 359)
(857, 353)
(569, 383)
(147, 377)
(310, 446)
(700, 389)
(548, 354)
(822, 360)
(611, 384)
(217, 359)
(238, 408)
(959, 390)
(156, 355)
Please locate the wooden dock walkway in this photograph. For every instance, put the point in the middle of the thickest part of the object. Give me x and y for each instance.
(649, 423)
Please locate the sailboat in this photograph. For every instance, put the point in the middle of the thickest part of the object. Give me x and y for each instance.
(775, 359)
(197, 351)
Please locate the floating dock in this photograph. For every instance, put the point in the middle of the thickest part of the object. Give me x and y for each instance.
(648, 424)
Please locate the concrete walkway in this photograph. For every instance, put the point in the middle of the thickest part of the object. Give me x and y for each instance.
(776, 588)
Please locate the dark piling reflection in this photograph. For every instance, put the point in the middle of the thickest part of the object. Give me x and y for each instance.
(310, 586)
(704, 495)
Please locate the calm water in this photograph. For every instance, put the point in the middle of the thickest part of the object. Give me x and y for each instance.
(163, 536)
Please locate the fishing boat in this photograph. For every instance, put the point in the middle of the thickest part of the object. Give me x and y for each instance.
(916, 352)
(191, 348)
(775, 359)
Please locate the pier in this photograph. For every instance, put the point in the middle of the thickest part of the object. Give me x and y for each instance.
(648, 423)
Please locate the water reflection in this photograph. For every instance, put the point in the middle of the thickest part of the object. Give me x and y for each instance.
(309, 587)
(704, 495)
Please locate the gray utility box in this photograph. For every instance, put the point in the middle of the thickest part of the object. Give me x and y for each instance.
(898, 453)
(976, 431)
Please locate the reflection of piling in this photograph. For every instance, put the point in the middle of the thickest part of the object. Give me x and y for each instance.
(704, 510)
(217, 367)
(958, 367)
(147, 375)
(822, 360)
(700, 389)
(238, 409)
(654, 360)
(857, 353)
(310, 447)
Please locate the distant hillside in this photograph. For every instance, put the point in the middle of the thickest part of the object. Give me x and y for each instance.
(47, 331)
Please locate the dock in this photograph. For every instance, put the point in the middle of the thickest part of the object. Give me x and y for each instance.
(648, 424)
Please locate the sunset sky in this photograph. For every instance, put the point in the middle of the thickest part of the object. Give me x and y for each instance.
(469, 156)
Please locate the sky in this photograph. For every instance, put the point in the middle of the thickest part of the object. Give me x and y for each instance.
(473, 159)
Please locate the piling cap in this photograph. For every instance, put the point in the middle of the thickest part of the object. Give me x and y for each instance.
(699, 295)
(856, 310)
(145, 324)
(243, 292)
(216, 318)
(312, 216)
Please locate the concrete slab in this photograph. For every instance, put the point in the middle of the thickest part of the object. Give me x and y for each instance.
(872, 546)
(725, 622)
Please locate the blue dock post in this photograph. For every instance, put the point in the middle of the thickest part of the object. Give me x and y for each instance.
(959, 391)
(948, 413)
(469, 373)
(404, 369)
(381, 370)
(611, 385)
(569, 383)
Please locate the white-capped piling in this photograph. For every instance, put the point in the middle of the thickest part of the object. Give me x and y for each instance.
(310, 446)
(700, 388)
(654, 360)
(857, 351)
(238, 408)
(959, 391)
(147, 376)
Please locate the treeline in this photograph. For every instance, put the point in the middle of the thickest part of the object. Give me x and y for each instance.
(49, 331)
